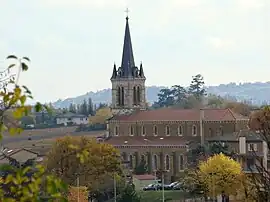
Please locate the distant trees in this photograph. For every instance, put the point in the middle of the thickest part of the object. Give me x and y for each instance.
(87, 107)
(181, 97)
(195, 96)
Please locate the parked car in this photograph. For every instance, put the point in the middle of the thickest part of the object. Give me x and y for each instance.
(170, 186)
(152, 187)
(178, 186)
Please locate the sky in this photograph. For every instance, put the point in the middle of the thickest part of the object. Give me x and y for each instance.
(73, 44)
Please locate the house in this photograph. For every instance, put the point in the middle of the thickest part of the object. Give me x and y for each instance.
(249, 149)
(17, 157)
(71, 119)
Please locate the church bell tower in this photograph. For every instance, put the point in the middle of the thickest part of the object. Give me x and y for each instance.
(128, 81)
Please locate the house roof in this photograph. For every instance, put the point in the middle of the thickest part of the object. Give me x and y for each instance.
(234, 137)
(20, 155)
(150, 141)
(70, 115)
(171, 114)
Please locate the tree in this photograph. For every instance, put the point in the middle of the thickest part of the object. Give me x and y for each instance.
(101, 116)
(75, 191)
(165, 98)
(196, 87)
(19, 186)
(260, 123)
(129, 194)
(84, 108)
(72, 108)
(201, 153)
(179, 93)
(90, 107)
(220, 175)
(141, 169)
(99, 161)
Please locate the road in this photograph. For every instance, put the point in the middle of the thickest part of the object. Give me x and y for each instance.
(41, 134)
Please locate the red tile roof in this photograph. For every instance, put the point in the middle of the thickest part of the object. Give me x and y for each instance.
(149, 141)
(172, 114)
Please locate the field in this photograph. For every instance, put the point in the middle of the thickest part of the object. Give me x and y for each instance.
(41, 140)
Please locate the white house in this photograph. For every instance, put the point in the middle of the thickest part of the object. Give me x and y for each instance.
(72, 119)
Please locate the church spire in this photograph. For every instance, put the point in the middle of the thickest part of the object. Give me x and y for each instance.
(127, 57)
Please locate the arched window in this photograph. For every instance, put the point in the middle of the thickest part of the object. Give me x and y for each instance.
(194, 130)
(181, 162)
(210, 132)
(116, 130)
(119, 96)
(131, 132)
(155, 162)
(167, 130)
(167, 162)
(131, 161)
(155, 130)
(134, 95)
(143, 159)
(138, 95)
(124, 156)
(180, 130)
(143, 131)
(122, 96)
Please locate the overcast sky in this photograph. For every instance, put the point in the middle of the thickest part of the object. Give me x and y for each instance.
(74, 43)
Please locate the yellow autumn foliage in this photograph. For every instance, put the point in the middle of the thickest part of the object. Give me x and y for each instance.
(100, 116)
(77, 194)
(99, 161)
(219, 174)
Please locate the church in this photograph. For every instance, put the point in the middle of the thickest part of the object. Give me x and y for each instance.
(161, 137)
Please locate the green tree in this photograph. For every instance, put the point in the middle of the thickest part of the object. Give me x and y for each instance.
(72, 108)
(90, 107)
(84, 108)
(165, 98)
(141, 169)
(196, 87)
(129, 194)
(22, 186)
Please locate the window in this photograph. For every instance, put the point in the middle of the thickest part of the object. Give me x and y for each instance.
(181, 162)
(130, 161)
(116, 130)
(167, 162)
(155, 162)
(143, 131)
(194, 130)
(250, 163)
(210, 132)
(143, 159)
(131, 132)
(167, 130)
(155, 130)
(252, 147)
(180, 130)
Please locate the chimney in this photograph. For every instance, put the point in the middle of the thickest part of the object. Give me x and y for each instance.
(201, 126)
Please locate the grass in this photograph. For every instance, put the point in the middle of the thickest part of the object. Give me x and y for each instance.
(155, 196)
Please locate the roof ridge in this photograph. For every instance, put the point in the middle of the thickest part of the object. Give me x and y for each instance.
(232, 113)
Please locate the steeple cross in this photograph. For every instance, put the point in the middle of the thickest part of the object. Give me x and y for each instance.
(127, 11)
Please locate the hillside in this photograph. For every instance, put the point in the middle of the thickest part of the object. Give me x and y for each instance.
(256, 93)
